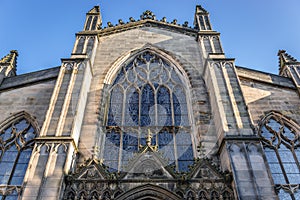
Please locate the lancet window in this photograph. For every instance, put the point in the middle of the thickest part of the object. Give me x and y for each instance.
(148, 99)
(281, 141)
(16, 143)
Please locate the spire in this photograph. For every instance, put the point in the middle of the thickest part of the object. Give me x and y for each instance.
(202, 19)
(284, 60)
(8, 64)
(93, 19)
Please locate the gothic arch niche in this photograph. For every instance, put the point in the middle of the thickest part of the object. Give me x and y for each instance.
(280, 137)
(17, 135)
(148, 97)
(149, 192)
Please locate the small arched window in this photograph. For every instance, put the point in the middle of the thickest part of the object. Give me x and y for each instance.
(280, 138)
(88, 23)
(16, 144)
(90, 45)
(80, 45)
(217, 45)
(94, 23)
(207, 45)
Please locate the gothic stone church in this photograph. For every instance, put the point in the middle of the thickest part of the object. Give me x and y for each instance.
(149, 109)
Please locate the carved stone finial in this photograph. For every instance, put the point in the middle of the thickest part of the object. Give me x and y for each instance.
(148, 15)
(174, 21)
(164, 19)
(186, 24)
(131, 19)
(149, 137)
(121, 22)
(109, 24)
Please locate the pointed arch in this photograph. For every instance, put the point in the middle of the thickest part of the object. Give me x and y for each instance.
(148, 101)
(17, 134)
(125, 59)
(280, 137)
(148, 191)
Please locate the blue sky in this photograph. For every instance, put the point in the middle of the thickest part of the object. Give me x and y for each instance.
(252, 31)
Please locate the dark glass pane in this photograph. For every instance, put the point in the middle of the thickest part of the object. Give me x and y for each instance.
(274, 125)
(202, 23)
(90, 45)
(129, 139)
(25, 156)
(284, 195)
(111, 152)
(164, 138)
(207, 45)
(208, 27)
(183, 166)
(7, 134)
(94, 23)
(4, 179)
(113, 138)
(29, 135)
(217, 45)
(88, 23)
(183, 138)
(185, 153)
(80, 45)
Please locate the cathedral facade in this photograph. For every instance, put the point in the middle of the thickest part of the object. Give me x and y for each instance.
(149, 109)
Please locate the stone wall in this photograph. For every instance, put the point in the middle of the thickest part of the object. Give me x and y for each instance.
(28, 92)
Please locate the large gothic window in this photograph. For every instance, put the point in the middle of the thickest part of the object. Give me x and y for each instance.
(16, 143)
(148, 98)
(281, 141)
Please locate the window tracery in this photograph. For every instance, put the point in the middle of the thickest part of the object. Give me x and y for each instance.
(148, 94)
(16, 143)
(281, 141)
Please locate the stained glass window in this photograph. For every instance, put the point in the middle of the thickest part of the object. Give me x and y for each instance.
(148, 94)
(282, 149)
(16, 143)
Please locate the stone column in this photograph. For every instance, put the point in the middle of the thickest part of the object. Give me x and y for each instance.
(56, 146)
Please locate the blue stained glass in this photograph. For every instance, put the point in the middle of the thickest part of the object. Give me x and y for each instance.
(284, 195)
(148, 95)
(29, 135)
(113, 138)
(119, 77)
(297, 194)
(94, 23)
(111, 152)
(293, 178)
(130, 139)
(148, 56)
(145, 120)
(112, 165)
(88, 23)
(163, 96)
(183, 166)
(183, 138)
(25, 156)
(90, 45)
(7, 134)
(4, 179)
(164, 138)
(185, 152)
(141, 71)
(285, 154)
